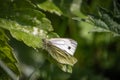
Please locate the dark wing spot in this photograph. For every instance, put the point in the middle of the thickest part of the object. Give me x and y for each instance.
(69, 47)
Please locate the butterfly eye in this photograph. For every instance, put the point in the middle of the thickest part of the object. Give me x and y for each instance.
(69, 47)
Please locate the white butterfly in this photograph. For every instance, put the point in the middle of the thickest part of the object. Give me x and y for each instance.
(61, 49)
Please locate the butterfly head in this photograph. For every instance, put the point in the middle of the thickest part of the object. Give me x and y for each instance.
(44, 41)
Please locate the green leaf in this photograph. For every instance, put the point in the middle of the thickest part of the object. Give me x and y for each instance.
(28, 23)
(52, 35)
(6, 54)
(107, 22)
(65, 67)
(50, 7)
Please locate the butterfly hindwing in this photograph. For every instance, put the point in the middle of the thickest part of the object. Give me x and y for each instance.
(60, 56)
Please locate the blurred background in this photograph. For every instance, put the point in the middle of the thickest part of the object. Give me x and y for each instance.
(97, 52)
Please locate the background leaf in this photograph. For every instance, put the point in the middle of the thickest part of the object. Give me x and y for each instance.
(49, 6)
(7, 56)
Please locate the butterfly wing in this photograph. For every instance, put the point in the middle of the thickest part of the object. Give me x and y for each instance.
(60, 55)
(64, 44)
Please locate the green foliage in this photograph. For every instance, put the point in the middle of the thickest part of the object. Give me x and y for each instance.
(107, 20)
(50, 7)
(25, 23)
(28, 24)
(6, 54)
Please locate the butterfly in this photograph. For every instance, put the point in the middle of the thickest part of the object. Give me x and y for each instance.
(61, 49)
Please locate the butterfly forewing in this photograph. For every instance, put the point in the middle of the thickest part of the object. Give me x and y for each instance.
(64, 44)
